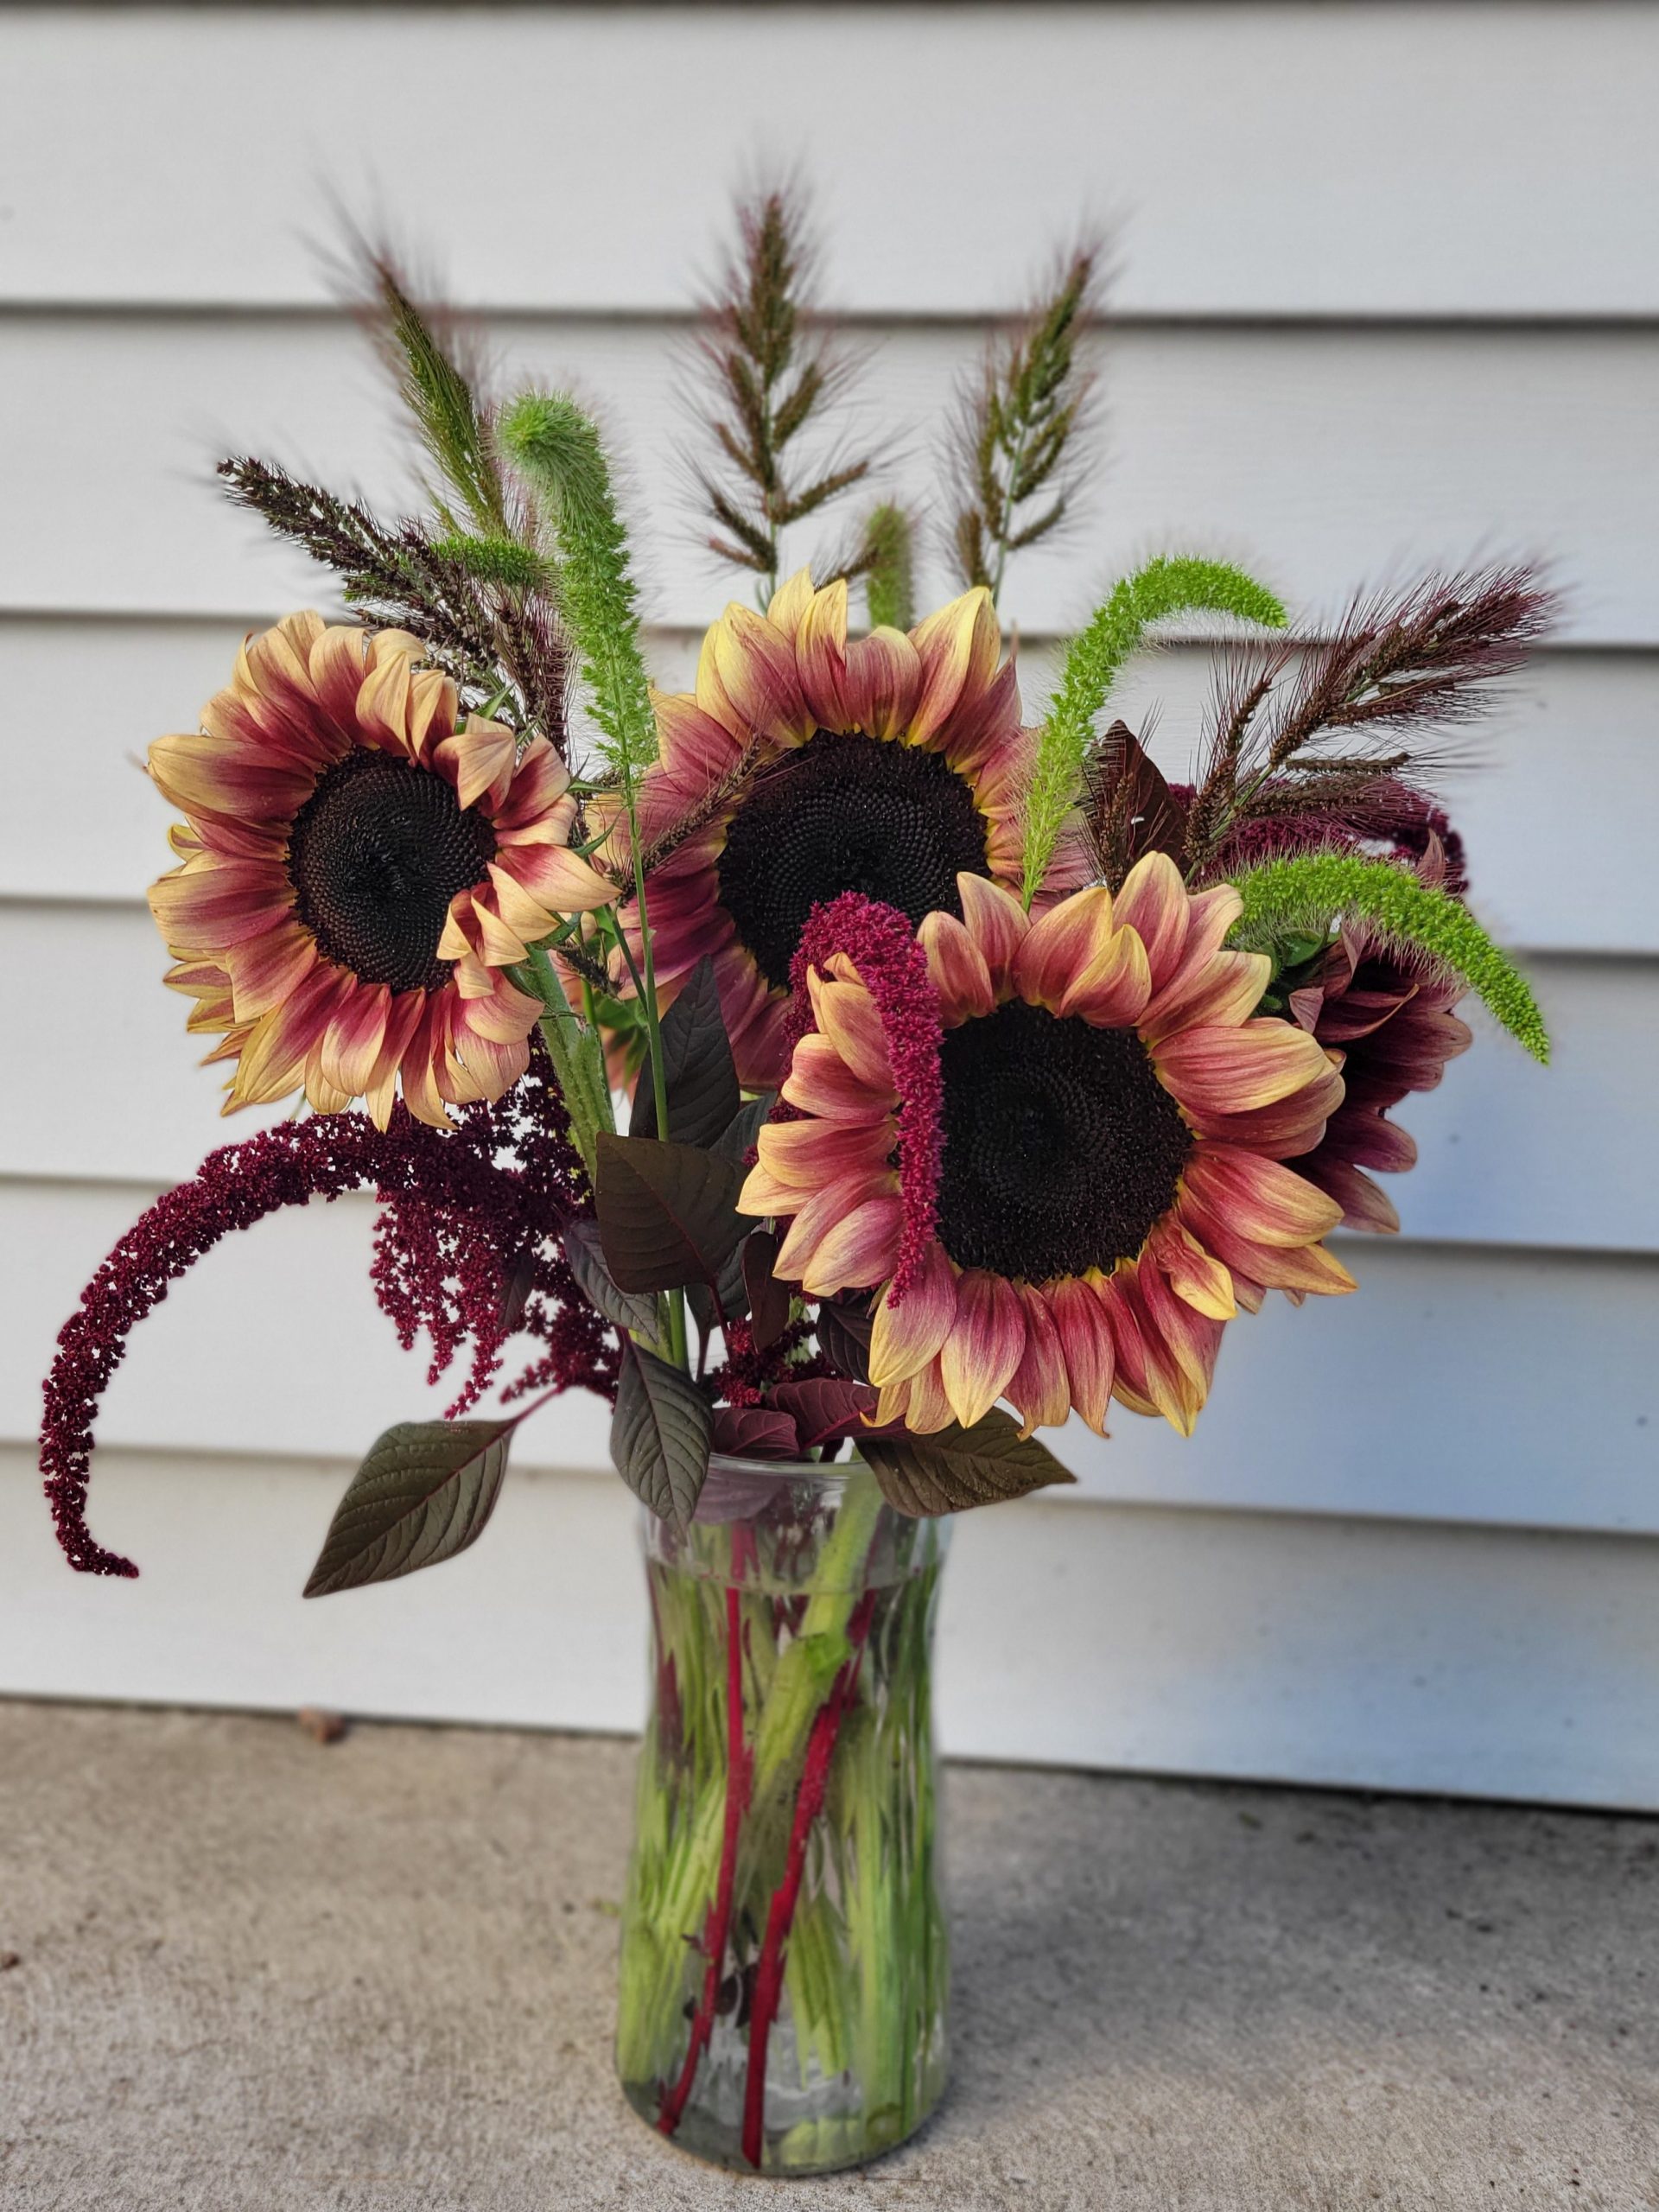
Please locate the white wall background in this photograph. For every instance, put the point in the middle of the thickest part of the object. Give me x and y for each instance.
(1388, 296)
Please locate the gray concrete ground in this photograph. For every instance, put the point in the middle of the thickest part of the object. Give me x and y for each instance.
(242, 1969)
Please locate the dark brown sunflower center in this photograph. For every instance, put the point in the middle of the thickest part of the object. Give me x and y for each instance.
(375, 856)
(1061, 1146)
(846, 813)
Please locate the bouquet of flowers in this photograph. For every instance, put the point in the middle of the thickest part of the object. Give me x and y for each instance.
(976, 1074)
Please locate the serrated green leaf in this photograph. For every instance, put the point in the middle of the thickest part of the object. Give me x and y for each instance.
(661, 1434)
(667, 1212)
(958, 1468)
(423, 1493)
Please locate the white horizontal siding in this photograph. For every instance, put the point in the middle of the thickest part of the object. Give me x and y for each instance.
(1478, 1386)
(1326, 459)
(1557, 807)
(1503, 1159)
(1380, 159)
(1387, 298)
(1479, 1662)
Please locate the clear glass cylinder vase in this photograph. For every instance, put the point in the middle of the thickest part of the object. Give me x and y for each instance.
(784, 1965)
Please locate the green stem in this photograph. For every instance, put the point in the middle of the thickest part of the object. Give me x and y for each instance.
(677, 1338)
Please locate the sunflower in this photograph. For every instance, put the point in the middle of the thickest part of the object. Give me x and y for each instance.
(812, 763)
(1112, 1122)
(1397, 1028)
(359, 867)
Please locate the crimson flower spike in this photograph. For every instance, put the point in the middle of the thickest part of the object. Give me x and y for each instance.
(880, 944)
(236, 1187)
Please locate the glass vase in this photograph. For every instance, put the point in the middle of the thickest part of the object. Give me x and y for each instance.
(784, 1954)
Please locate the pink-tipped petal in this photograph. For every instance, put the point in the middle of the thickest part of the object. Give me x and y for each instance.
(958, 649)
(958, 969)
(821, 1215)
(821, 1083)
(1086, 1344)
(846, 1014)
(881, 685)
(1114, 988)
(1232, 1070)
(1040, 1391)
(996, 921)
(985, 1343)
(1268, 1204)
(906, 1336)
(859, 1251)
(1153, 903)
(1061, 944)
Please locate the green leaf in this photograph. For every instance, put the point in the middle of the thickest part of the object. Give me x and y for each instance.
(961, 1467)
(661, 1434)
(423, 1493)
(1313, 890)
(698, 1070)
(667, 1212)
(635, 1312)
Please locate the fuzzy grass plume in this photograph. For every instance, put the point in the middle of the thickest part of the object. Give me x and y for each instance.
(1169, 585)
(889, 584)
(1309, 894)
(1304, 732)
(428, 355)
(557, 447)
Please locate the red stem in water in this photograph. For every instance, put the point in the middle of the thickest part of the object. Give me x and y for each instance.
(769, 1972)
(740, 1774)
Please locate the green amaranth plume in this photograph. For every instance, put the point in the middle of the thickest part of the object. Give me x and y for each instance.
(1168, 585)
(557, 449)
(889, 595)
(495, 560)
(1307, 895)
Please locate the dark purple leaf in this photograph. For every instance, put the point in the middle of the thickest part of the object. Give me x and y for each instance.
(667, 1212)
(699, 1076)
(961, 1467)
(755, 1433)
(423, 1493)
(823, 1408)
(768, 1298)
(843, 1333)
(660, 1434)
(633, 1311)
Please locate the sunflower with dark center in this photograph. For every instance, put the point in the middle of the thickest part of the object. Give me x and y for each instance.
(359, 866)
(1115, 1117)
(890, 765)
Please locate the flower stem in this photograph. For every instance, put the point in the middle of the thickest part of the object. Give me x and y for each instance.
(769, 1972)
(739, 1765)
(677, 1341)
